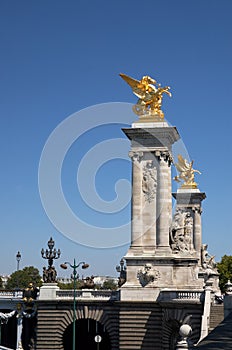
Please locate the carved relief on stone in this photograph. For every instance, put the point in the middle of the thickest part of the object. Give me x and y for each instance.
(136, 156)
(207, 260)
(181, 232)
(149, 181)
(148, 275)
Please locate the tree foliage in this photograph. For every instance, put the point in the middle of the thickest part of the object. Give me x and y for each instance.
(20, 279)
(1, 283)
(109, 284)
(70, 285)
(225, 271)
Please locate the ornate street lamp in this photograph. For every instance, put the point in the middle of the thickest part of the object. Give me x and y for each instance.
(75, 276)
(49, 274)
(51, 253)
(18, 258)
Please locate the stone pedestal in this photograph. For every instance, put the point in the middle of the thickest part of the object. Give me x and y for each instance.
(189, 201)
(48, 291)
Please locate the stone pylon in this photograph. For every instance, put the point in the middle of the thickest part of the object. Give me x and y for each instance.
(152, 261)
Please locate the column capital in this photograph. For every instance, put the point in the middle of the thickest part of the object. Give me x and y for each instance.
(165, 156)
(136, 156)
(197, 209)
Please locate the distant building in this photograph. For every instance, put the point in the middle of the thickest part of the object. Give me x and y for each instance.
(99, 280)
(64, 280)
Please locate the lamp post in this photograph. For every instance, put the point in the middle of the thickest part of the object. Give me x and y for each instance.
(18, 258)
(49, 274)
(50, 254)
(75, 276)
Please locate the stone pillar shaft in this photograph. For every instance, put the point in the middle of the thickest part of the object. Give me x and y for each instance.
(197, 236)
(136, 210)
(149, 184)
(163, 205)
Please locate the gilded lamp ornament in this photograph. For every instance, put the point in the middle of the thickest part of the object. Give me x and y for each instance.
(150, 94)
(186, 173)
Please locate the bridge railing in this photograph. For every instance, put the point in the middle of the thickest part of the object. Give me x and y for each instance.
(9, 294)
(182, 296)
(88, 294)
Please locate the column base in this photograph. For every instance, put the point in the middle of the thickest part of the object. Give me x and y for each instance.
(163, 250)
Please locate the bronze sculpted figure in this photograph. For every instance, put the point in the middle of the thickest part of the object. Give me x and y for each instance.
(30, 293)
(150, 96)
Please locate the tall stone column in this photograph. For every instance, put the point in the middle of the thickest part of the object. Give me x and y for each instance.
(164, 203)
(136, 210)
(151, 183)
(197, 237)
(149, 189)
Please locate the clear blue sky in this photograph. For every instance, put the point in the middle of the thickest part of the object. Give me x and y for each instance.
(58, 57)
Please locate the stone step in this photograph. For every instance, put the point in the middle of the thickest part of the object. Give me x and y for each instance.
(216, 315)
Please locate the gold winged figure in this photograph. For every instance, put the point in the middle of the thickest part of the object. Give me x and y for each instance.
(186, 173)
(150, 95)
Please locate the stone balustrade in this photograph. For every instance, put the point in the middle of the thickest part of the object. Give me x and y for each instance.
(11, 294)
(87, 294)
(181, 295)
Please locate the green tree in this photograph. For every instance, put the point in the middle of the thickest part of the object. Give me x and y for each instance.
(70, 285)
(225, 271)
(109, 284)
(20, 279)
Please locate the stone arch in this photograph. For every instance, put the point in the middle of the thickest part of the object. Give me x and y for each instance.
(172, 320)
(85, 312)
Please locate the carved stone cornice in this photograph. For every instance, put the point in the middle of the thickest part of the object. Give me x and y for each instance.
(152, 137)
(189, 198)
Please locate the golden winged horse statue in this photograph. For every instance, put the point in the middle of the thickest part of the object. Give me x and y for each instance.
(150, 95)
(186, 173)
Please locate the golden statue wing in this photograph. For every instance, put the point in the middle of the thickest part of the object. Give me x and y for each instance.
(137, 87)
(182, 164)
(130, 81)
